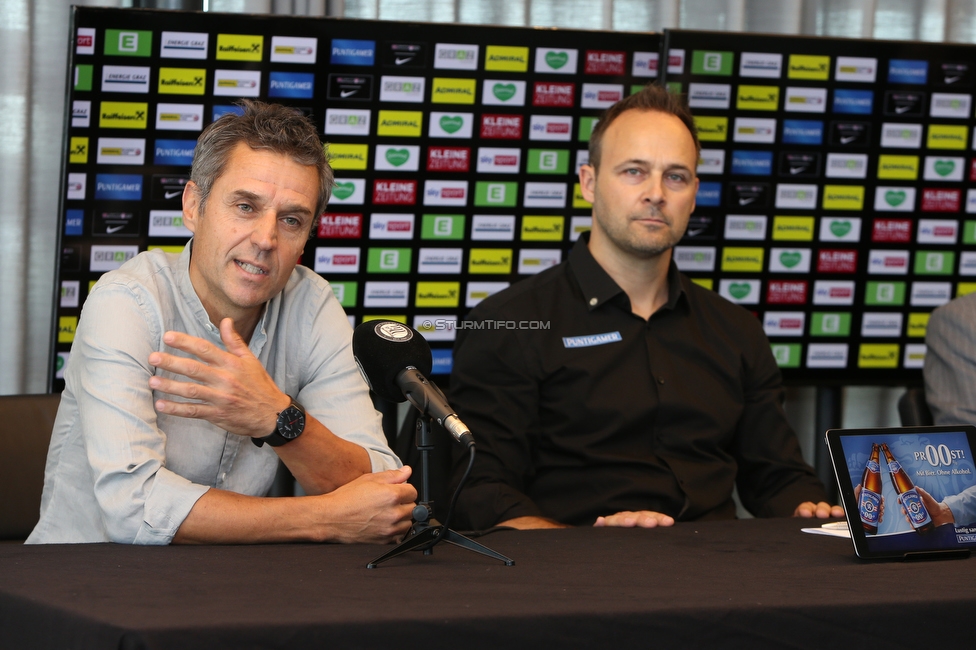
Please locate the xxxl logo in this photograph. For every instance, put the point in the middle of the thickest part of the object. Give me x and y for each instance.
(351, 87)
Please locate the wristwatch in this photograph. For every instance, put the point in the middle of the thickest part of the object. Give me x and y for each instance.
(291, 423)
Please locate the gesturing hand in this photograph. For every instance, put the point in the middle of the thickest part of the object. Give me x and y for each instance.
(231, 389)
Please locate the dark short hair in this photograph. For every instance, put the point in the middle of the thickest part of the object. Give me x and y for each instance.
(262, 127)
(651, 97)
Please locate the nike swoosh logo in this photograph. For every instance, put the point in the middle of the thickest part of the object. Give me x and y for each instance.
(746, 201)
(347, 93)
(695, 232)
(952, 80)
(902, 109)
(113, 229)
(400, 61)
(797, 170)
(172, 195)
(847, 139)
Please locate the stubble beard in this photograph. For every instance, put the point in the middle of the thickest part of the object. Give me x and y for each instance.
(625, 238)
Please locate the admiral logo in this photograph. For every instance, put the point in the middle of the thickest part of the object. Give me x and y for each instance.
(836, 261)
(168, 223)
(501, 92)
(760, 64)
(404, 158)
(532, 261)
(898, 167)
(449, 159)
(934, 200)
(944, 136)
(847, 165)
(402, 89)
(121, 151)
(755, 98)
(887, 262)
(753, 129)
(712, 129)
(742, 292)
(336, 260)
(742, 259)
(348, 156)
(478, 291)
(182, 81)
(789, 260)
(544, 195)
(293, 85)
(237, 83)
(391, 192)
(854, 102)
(391, 226)
(350, 122)
(827, 355)
(796, 196)
(745, 227)
(784, 323)
(752, 163)
(840, 229)
(851, 68)
(793, 228)
(386, 294)
(454, 56)
(451, 125)
(508, 59)
(493, 228)
(179, 117)
(958, 75)
(904, 71)
(792, 292)
(505, 127)
(802, 132)
(601, 95)
(805, 100)
(539, 228)
(710, 95)
(446, 193)
(709, 195)
(291, 49)
(894, 199)
(352, 52)
(169, 187)
(938, 168)
(881, 324)
(109, 258)
(549, 127)
(950, 105)
(904, 103)
(892, 231)
(833, 292)
(556, 61)
(605, 62)
(334, 225)
(350, 191)
(694, 258)
(452, 91)
(125, 79)
(405, 55)
(174, 152)
(499, 161)
(553, 94)
(710, 161)
(85, 40)
(850, 134)
(81, 114)
(350, 87)
(644, 64)
(184, 45)
(439, 260)
(905, 136)
(754, 196)
(122, 115)
(239, 47)
(927, 294)
(938, 231)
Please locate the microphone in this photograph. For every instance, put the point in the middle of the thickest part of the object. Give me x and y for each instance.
(394, 359)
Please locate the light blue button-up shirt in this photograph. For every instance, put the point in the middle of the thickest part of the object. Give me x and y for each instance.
(119, 471)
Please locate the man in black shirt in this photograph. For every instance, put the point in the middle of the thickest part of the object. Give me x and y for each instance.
(628, 396)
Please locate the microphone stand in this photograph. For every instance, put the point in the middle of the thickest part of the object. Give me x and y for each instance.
(426, 531)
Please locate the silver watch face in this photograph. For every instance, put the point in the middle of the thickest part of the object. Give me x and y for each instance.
(291, 422)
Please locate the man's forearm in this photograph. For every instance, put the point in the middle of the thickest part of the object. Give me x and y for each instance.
(321, 461)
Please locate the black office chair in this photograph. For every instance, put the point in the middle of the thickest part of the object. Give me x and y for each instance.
(26, 422)
(913, 409)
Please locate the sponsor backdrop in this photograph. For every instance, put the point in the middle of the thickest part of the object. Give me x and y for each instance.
(836, 197)
(455, 147)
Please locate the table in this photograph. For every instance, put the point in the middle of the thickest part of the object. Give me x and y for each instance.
(750, 583)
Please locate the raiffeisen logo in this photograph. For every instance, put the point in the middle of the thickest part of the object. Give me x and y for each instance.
(122, 115)
(239, 47)
(182, 81)
(490, 260)
(712, 129)
(758, 98)
(438, 294)
(352, 52)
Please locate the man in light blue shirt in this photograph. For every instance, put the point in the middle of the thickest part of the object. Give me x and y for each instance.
(181, 362)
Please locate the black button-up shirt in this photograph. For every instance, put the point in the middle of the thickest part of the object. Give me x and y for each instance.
(580, 408)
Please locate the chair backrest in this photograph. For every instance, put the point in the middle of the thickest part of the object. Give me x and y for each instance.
(913, 409)
(26, 422)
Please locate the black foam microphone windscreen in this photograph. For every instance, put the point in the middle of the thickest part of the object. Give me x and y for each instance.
(383, 349)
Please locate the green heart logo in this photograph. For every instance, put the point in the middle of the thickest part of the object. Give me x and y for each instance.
(343, 190)
(739, 290)
(397, 157)
(840, 228)
(790, 259)
(895, 199)
(557, 60)
(944, 167)
(452, 123)
(504, 92)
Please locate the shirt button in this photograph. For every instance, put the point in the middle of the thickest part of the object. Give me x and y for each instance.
(660, 381)
(593, 302)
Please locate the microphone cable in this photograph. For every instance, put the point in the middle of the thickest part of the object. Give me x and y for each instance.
(460, 486)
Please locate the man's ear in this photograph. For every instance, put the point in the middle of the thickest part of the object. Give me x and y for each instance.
(191, 206)
(587, 176)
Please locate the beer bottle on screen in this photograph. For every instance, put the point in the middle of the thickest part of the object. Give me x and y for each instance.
(869, 502)
(910, 499)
